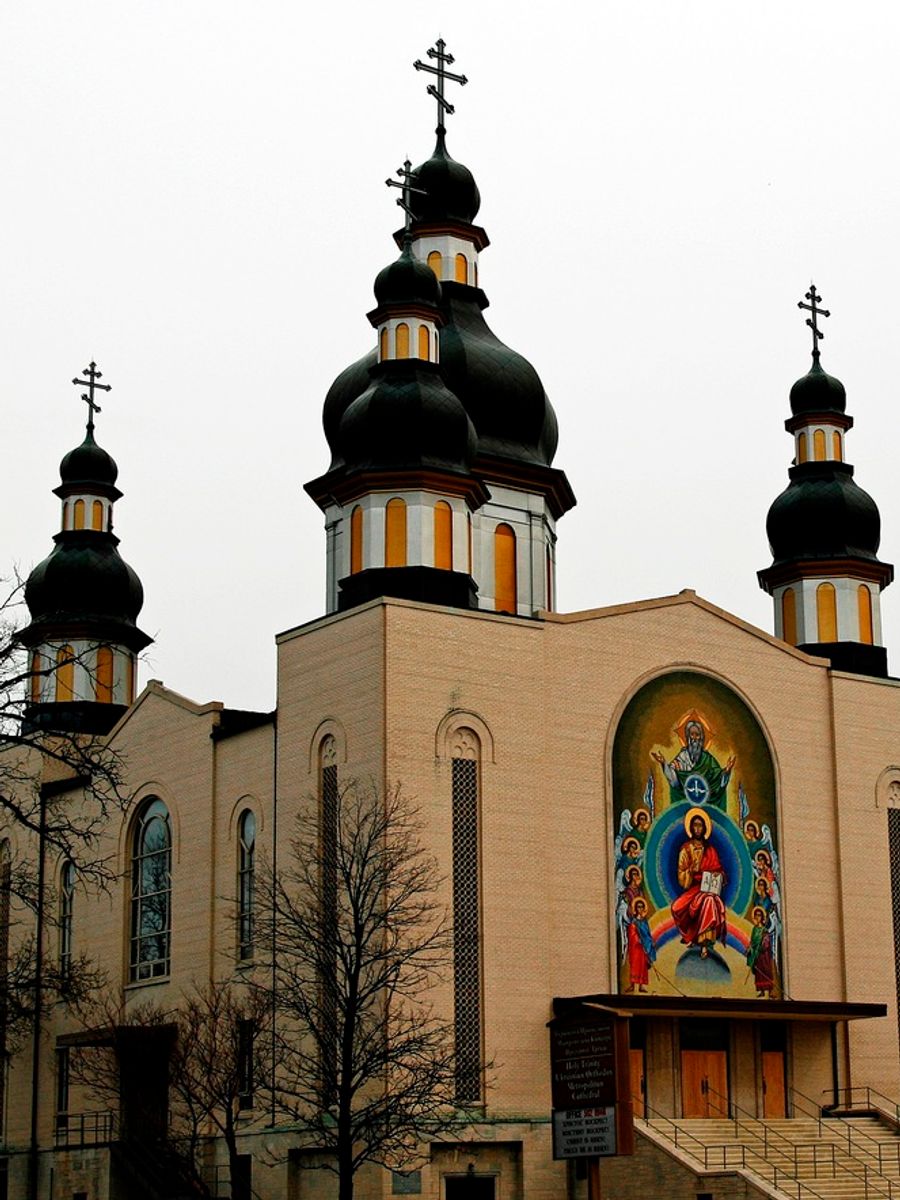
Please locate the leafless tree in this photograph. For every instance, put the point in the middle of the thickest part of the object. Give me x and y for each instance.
(360, 938)
(212, 1034)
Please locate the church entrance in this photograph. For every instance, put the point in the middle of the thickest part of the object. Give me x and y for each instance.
(704, 1069)
(773, 1058)
(469, 1187)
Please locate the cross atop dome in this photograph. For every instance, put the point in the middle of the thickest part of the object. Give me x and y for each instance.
(814, 300)
(407, 175)
(88, 397)
(438, 52)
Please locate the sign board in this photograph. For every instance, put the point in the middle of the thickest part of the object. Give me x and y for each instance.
(584, 1132)
(591, 1085)
(583, 1064)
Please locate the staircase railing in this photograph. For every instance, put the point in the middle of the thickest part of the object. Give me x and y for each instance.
(776, 1142)
(867, 1098)
(732, 1155)
(857, 1139)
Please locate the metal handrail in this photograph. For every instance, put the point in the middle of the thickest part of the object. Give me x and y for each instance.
(834, 1122)
(890, 1108)
(680, 1135)
(852, 1131)
(84, 1129)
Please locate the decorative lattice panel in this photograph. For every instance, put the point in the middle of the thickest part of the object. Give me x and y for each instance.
(466, 939)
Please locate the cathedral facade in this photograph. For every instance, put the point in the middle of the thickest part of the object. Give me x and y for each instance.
(652, 810)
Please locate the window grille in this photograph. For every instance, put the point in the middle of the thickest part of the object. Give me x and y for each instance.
(246, 884)
(466, 930)
(894, 852)
(246, 1032)
(151, 894)
(66, 905)
(329, 834)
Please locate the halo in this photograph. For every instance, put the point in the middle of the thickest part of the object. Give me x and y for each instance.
(755, 824)
(765, 854)
(693, 717)
(757, 909)
(630, 840)
(704, 817)
(630, 871)
(637, 813)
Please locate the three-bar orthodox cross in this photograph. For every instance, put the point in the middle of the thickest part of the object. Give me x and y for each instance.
(92, 376)
(814, 301)
(437, 51)
(407, 174)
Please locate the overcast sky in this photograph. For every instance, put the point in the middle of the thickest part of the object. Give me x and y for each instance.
(193, 195)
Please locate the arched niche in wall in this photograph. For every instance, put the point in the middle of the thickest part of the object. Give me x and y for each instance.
(698, 883)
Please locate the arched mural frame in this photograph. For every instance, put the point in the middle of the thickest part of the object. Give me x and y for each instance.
(739, 845)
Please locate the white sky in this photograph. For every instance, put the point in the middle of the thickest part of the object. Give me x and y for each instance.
(193, 195)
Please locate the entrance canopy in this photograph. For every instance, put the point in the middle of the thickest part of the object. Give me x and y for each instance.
(645, 1005)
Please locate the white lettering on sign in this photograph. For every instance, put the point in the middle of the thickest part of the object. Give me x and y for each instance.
(584, 1132)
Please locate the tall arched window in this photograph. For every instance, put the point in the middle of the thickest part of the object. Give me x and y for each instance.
(97, 515)
(328, 824)
(151, 893)
(434, 261)
(401, 340)
(246, 882)
(424, 342)
(789, 616)
(443, 536)
(826, 612)
(78, 515)
(837, 450)
(864, 602)
(505, 599)
(65, 674)
(802, 451)
(395, 533)
(383, 344)
(129, 679)
(66, 908)
(462, 269)
(467, 969)
(356, 540)
(103, 682)
(819, 445)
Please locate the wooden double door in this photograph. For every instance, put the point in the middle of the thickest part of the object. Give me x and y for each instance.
(704, 1068)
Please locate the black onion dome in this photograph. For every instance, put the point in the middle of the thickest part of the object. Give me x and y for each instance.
(84, 579)
(501, 391)
(450, 191)
(351, 382)
(823, 514)
(818, 392)
(88, 463)
(406, 419)
(407, 281)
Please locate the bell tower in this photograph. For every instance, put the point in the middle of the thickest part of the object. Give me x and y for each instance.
(84, 599)
(824, 531)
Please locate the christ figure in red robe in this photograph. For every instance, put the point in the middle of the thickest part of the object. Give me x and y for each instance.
(698, 913)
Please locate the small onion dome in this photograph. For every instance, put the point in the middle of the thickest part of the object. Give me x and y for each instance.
(88, 463)
(500, 389)
(84, 579)
(823, 514)
(406, 419)
(818, 392)
(451, 193)
(407, 281)
(351, 382)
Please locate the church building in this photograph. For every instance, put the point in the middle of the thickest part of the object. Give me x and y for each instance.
(653, 811)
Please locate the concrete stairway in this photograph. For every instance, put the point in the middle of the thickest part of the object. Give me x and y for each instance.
(854, 1158)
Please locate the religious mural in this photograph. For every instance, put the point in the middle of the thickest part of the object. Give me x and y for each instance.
(696, 867)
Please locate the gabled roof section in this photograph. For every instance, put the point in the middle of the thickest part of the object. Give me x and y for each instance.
(156, 688)
(685, 596)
